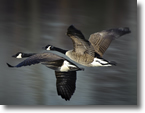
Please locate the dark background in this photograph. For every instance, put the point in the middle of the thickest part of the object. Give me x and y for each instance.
(28, 25)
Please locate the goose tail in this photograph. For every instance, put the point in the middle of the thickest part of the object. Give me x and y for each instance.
(113, 63)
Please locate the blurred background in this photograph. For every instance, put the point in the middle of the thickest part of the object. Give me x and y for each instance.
(28, 25)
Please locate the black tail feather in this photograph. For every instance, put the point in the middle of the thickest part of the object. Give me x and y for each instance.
(124, 30)
(10, 65)
(119, 31)
(113, 63)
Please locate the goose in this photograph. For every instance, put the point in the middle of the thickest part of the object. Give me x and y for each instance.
(65, 71)
(90, 52)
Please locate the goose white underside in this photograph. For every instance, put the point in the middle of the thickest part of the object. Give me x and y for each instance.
(65, 66)
(99, 62)
(19, 56)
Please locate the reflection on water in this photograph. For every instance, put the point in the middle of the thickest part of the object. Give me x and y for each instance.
(29, 25)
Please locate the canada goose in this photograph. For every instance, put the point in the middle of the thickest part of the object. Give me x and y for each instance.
(65, 71)
(90, 53)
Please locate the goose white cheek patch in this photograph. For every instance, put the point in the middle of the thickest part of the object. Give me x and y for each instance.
(48, 48)
(19, 56)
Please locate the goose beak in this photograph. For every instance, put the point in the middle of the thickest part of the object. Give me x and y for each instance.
(43, 48)
(14, 56)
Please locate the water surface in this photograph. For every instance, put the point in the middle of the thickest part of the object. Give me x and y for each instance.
(29, 25)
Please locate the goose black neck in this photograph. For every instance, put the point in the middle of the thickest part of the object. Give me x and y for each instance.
(60, 50)
(28, 54)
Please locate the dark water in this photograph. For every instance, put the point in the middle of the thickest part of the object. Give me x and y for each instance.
(29, 25)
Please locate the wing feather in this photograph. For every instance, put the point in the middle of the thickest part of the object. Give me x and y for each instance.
(65, 83)
(44, 58)
(101, 40)
(81, 45)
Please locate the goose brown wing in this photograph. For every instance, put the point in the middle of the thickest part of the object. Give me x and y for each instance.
(65, 84)
(101, 40)
(81, 45)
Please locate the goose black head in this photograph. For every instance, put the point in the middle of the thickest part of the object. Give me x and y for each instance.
(48, 47)
(18, 55)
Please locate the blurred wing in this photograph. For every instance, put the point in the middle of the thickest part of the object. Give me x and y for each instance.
(65, 83)
(53, 64)
(30, 61)
(81, 45)
(44, 58)
(101, 40)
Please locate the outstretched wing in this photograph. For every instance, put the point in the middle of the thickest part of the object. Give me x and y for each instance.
(65, 83)
(44, 58)
(101, 40)
(81, 45)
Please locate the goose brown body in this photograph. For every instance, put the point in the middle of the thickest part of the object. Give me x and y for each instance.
(84, 59)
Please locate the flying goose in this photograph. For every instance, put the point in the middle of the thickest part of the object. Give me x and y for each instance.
(90, 53)
(65, 71)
